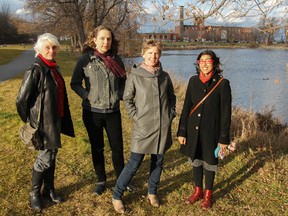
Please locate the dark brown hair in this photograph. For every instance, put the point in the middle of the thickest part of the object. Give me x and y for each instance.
(90, 44)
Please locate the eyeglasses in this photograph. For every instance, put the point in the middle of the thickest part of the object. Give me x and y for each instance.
(207, 61)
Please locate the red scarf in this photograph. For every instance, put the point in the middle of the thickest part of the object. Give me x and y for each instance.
(111, 64)
(204, 78)
(60, 83)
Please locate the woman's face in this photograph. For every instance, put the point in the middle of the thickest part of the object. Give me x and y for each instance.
(152, 56)
(48, 50)
(103, 41)
(206, 64)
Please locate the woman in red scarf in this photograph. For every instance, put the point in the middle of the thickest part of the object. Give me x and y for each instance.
(207, 127)
(43, 90)
(103, 73)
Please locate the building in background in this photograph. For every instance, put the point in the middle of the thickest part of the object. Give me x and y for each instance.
(214, 33)
(202, 33)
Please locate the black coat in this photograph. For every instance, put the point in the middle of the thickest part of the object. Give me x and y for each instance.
(28, 101)
(210, 122)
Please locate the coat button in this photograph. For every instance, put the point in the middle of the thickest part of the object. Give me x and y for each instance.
(197, 127)
(204, 90)
(199, 114)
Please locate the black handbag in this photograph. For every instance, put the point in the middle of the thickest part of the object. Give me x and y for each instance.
(30, 136)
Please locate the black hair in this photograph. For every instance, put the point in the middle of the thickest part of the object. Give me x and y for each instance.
(216, 61)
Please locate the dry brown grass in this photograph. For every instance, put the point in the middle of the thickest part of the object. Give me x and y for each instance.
(251, 181)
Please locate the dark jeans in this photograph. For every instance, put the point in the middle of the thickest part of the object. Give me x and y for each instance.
(111, 122)
(130, 170)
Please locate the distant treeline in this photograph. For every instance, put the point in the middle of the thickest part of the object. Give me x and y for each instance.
(8, 30)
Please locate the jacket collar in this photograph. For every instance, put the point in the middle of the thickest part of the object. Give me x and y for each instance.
(138, 70)
(214, 79)
(44, 67)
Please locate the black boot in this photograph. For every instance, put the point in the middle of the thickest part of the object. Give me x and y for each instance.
(35, 196)
(49, 190)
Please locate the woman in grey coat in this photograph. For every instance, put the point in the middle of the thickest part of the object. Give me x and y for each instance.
(150, 101)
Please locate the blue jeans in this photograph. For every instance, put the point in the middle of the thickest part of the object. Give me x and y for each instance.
(130, 170)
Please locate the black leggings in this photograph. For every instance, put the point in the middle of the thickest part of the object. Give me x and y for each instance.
(111, 122)
(198, 177)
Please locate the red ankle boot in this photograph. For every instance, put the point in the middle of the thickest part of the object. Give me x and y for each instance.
(207, 200)
(197, 195)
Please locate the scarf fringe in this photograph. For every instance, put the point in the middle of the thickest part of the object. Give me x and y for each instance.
(111, 64)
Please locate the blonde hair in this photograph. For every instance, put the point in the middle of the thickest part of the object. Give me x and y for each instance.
(42, 39)
(151, 43)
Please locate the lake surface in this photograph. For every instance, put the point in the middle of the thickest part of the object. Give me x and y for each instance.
(258, 78)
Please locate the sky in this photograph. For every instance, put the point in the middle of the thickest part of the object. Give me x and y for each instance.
(17, 7)
(251, 20)
(162, 24)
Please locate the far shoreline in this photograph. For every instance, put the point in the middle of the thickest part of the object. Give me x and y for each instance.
(200, 46)
(224, 46)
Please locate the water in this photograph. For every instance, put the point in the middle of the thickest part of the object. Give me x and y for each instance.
(258, 78)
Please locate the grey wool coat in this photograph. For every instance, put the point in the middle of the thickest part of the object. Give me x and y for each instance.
(210, 122)
(150, 101)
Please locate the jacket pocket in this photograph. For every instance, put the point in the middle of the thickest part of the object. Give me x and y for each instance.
(90, 72)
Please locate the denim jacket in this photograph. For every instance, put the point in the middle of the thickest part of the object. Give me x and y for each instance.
(102, 90)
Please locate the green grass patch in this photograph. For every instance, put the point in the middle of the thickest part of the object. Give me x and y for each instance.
(10, 52)
(7, 55)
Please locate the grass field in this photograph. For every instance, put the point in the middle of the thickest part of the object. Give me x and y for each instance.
(251, 181)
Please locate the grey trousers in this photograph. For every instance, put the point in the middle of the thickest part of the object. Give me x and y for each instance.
(44, 158)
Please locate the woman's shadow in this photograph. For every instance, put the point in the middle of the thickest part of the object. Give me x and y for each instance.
(264, 148)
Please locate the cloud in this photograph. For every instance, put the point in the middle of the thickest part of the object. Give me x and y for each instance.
(21, 11)
(151, 10)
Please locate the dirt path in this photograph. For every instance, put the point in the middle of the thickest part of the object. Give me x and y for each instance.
(17, 66)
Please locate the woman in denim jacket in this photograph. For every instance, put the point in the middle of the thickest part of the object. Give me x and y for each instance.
(104, 76)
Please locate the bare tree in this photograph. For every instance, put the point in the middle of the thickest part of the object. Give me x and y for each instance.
(269, 24)
(268, 27)
(77, 17)
(226, 11)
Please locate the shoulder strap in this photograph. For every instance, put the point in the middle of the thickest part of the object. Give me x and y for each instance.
(204, 98)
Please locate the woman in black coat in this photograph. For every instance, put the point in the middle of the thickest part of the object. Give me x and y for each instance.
(44, 76)
(208, 126)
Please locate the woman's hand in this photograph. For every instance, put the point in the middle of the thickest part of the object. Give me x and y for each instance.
(223, 149)
(182, 140)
